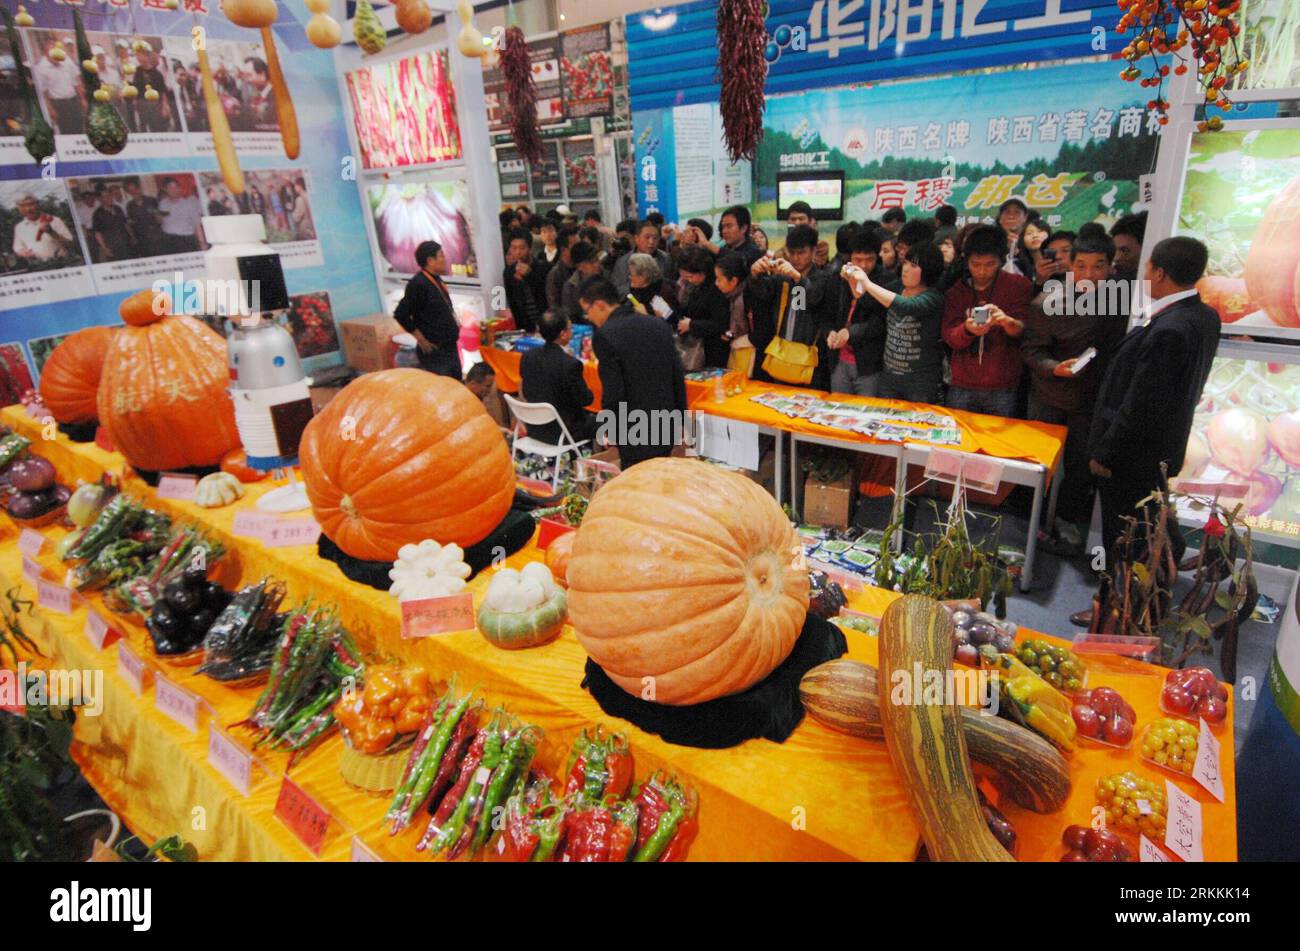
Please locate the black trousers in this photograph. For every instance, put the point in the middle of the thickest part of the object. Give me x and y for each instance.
(1120, 495)
(1074, 498)
(444, 361)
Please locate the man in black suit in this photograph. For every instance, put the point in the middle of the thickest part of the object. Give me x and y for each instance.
(425, 311)
(644, 400)
(520, 284)
(1143, 414)
(550, 375)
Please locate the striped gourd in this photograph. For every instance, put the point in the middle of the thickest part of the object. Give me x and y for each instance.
(925, 741)
(844, 695)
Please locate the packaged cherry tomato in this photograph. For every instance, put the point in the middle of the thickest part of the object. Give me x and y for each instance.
(1134, 805)
(1170, 743)
(1104, 717)
(1193, 694)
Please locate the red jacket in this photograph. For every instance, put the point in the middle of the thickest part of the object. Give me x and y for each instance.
(1000, 365)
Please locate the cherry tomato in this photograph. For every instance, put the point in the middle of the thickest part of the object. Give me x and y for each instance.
(1074, 837)
(1086, 719)
(1178, 699)
(1118, 731)
(1074, 855)
(1213, 709)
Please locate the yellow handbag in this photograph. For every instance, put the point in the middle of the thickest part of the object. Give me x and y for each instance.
(787, 361)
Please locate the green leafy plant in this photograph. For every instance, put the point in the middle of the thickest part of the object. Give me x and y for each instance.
(12, 635)
(1135, 598)
(33, 758)
(946, 564)
(173, 848)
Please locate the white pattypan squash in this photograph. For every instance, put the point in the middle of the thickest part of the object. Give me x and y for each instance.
(513, 592)
(428, 570)
(217, 489)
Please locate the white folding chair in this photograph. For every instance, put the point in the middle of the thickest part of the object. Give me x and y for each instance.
(538, 414)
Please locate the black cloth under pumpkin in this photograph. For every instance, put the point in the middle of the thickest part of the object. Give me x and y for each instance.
(770, 709)
(511, 535)
(79, 432)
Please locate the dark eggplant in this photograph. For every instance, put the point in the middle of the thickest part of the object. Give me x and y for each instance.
(200, 621)
(181, 596)
(195, 576)
(165, 619)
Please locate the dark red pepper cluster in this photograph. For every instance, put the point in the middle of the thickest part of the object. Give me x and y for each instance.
(742, 73)
(521, 94)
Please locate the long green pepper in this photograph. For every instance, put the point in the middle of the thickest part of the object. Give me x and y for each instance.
(519, 751)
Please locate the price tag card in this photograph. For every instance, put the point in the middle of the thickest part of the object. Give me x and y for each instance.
(230, 759)
(30, 543)
(177, 485)
(130, 667)
(1206, 770)
(1148, 851)
(177, 703)
(363, 853)
(252, 524)
(54, 596)
(304, 816)
(31, 570)
(284, 533)
(429, 616)
(1183, 825)
(98, 631)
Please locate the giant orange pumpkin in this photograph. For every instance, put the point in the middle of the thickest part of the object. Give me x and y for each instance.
(404, 455)
(70, 378)
(162, 395)
(1273, 263)
(1227, 295)
(686, 582)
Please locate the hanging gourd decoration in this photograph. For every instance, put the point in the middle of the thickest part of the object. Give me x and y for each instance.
(685, 578)
(259, 15)
(469, 40)
(324, 32)
(742, 72)
(521, 94)
(404, 455)
(70, 377)
(1273, 263)
(37, 134)
(414, 16)
(162, 395)
(104, 126)
(367, 30)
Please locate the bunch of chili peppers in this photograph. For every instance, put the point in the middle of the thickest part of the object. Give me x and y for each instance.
(313, 662)
(437, 753)
(497, 760)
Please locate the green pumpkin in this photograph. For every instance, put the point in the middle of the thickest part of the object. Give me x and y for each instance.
(367, 29)
(517, 630)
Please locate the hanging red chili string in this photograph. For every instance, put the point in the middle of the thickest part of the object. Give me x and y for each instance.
(521, 94)
(742, 71)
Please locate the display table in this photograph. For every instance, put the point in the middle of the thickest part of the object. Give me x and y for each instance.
(820, 795)
(1031, 452)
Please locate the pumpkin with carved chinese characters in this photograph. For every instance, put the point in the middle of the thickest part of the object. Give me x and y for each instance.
(162, 395)
(70, 377)
(404, 455)
(686, 582)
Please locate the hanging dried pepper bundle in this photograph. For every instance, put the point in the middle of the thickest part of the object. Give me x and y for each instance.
(521, 94)
(742, 71)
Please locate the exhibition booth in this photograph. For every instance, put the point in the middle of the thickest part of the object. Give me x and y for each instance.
(293, 598)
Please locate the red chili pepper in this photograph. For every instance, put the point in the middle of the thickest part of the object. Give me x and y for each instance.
(681, 842)
(589, 834)
(652, 805)
(449, 802)
(623, 836)
(520, 837)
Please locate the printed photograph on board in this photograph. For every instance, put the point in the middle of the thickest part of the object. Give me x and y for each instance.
(15, 374)
(311, 321)
(280, 196)
(127, 217)
(41, 348)
(131, 68)
(408, 213)
(404, 112)
(36, 228)
(241, 77)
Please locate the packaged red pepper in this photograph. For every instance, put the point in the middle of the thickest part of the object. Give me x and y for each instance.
(668, 823)
(599, 766)
(531, 830)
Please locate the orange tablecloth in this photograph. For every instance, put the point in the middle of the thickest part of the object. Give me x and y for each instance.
(1041, 443)
(155, 773)
(505, 364)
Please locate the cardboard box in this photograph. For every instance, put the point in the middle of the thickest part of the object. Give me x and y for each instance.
(321, 395)
(368, 342)
(829, 503)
